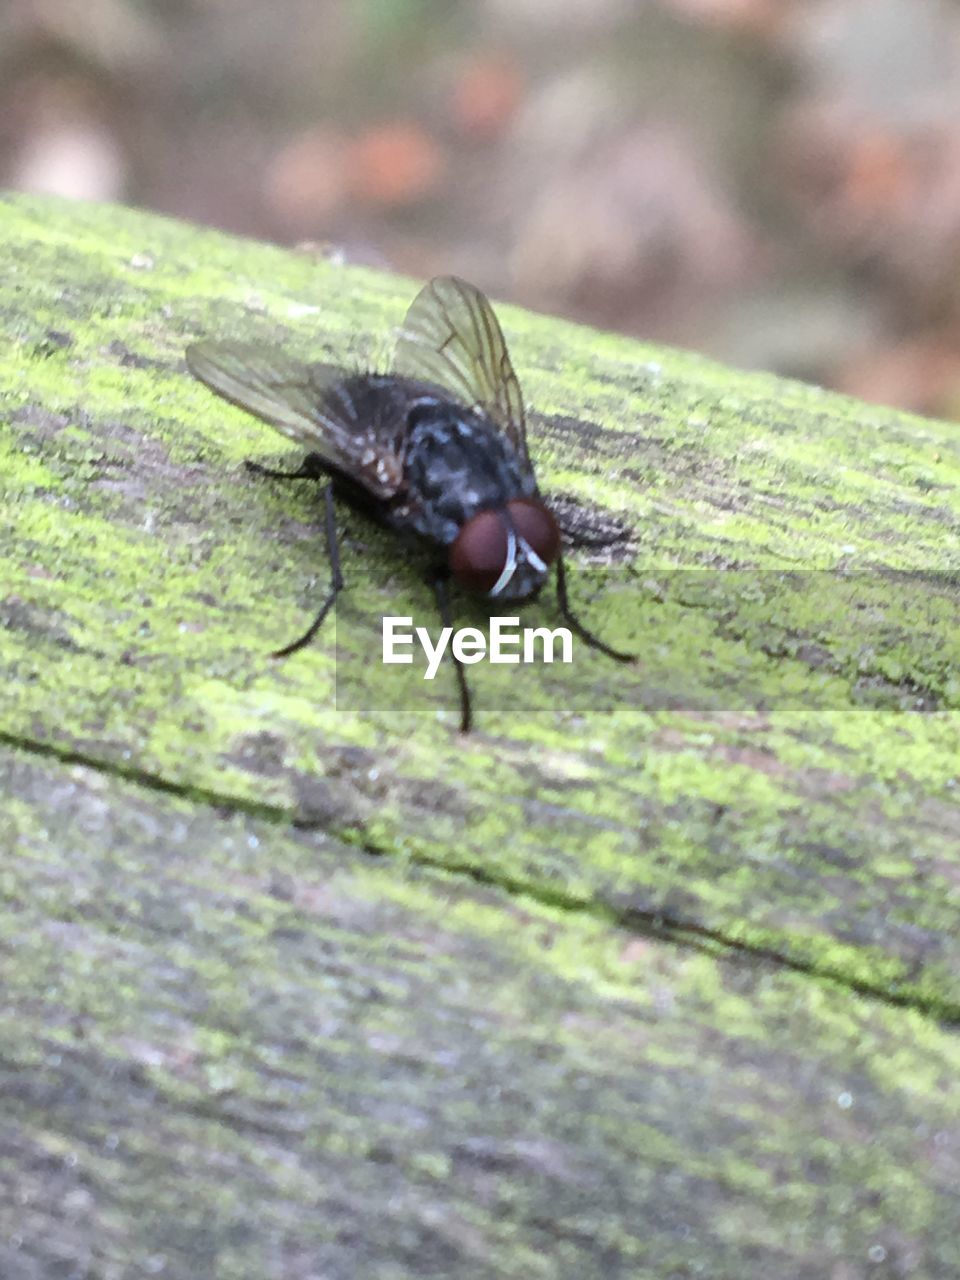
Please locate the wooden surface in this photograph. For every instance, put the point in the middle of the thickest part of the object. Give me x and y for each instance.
(656, 974)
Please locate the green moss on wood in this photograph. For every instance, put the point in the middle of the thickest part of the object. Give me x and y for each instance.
(228, 1044)
(295, 1024)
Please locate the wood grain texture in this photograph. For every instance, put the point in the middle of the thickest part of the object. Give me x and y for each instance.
(657, 973)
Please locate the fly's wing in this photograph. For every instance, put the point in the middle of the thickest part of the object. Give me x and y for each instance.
(452, 338)
(317, 405)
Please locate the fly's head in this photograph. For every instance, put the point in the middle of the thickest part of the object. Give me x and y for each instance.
(506, 553)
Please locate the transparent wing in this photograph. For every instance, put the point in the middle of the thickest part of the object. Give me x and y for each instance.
(326, 411)
(262, 381)
(452, 338)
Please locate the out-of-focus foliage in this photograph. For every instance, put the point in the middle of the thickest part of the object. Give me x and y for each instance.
(773, 181)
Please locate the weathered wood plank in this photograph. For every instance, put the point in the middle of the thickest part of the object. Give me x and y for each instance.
(233, 1049)
(483, 1053)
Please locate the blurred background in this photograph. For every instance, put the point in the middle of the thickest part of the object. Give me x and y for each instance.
(774, 182)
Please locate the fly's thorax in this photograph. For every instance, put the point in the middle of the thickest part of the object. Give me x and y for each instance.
(456, 465)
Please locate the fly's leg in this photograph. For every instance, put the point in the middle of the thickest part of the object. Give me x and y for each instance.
(591, 540)
(333, 553)
(573, 532)
(439, 583)
(312, 468)
(576, 625)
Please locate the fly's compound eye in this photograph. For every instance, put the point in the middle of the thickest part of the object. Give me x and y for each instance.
(496, 552)
(478, 554)
(536, 526)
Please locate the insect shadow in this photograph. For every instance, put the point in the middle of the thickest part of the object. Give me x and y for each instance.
(437, 449)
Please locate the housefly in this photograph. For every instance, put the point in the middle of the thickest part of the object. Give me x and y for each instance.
(436, 448)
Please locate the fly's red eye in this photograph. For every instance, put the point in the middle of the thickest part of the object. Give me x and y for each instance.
(479, 551)
(536, 526)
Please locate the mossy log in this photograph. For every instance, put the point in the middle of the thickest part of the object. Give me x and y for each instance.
(655, 974)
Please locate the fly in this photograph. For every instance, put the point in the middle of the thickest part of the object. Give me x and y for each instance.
(437, 448)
